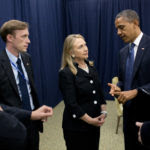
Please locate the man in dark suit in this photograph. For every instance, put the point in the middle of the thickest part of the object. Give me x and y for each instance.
(134, 76)
(16, 76)
(144, 133)
(12, 130)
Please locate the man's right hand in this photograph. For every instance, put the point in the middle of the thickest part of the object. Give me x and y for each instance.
(42, 113)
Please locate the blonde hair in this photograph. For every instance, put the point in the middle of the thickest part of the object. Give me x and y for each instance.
(66, 56)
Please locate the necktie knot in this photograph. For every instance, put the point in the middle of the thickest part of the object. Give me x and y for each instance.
(131, 47)
(19, 61)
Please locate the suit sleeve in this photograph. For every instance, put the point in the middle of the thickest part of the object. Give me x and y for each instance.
(21, 114)
(12, 132)
(67, 87)
(145, 133)
(145, 89)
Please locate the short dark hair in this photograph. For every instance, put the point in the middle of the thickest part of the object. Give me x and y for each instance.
(129, 14)
(10, 26)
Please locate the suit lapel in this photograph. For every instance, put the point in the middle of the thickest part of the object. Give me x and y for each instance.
(28, 67)
(139, 55)
(8, 69)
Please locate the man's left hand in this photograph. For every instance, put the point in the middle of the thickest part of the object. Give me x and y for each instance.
(124, 96)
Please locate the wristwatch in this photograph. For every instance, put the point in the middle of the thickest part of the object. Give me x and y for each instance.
(104, 112)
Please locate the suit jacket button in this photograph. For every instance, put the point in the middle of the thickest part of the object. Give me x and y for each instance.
(95, 102)
(91, 81)
(94, 91)
(74, 116)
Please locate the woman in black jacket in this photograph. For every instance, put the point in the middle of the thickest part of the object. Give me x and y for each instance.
(85, 107)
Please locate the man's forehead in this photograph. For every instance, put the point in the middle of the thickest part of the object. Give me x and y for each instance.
(21, 31)
(121, 21)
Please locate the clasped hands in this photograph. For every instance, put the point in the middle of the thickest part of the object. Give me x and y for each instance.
(122, 96)
(98, 121)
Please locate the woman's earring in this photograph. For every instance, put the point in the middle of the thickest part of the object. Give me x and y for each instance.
(73, 56)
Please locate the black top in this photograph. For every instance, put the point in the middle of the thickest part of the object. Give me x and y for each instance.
(82, 94)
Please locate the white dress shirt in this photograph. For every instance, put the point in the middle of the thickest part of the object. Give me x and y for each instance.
(137, 42)
(13, 59)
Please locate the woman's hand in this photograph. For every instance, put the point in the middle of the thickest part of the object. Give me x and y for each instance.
(97, 121)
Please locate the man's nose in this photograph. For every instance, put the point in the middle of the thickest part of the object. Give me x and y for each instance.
(28, 40)
(118, 32)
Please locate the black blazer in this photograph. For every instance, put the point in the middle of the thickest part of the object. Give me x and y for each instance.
(81, 94)
(12, 131)
(140, 78)
(9, 94)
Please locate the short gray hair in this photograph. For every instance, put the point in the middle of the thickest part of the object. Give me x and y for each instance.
(129, 14)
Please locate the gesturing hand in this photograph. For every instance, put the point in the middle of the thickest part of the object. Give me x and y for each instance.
(42, 113)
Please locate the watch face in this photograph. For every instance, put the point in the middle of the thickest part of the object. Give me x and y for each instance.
(105, 113)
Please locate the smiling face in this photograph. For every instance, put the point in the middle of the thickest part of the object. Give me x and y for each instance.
(80, 50)
(126, 30)
(19, 40)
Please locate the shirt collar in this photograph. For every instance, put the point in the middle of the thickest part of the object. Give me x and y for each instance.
(12, 57)
(76, 64)
(138, 39)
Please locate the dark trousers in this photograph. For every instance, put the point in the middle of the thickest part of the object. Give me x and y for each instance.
(130, 129)
(32, 142)
(82, 140)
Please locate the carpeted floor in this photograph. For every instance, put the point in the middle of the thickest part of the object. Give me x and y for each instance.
(52, 138)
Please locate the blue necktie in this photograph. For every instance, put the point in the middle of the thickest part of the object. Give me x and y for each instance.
(129, 68)
(23, 87)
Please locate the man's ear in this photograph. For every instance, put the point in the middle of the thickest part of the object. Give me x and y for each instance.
(136, 22)
(9, 37)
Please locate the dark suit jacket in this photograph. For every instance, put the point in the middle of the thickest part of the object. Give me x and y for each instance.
(12, 131)
(79, 98)
(145, 133)
(140, 78)
(9, 94)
